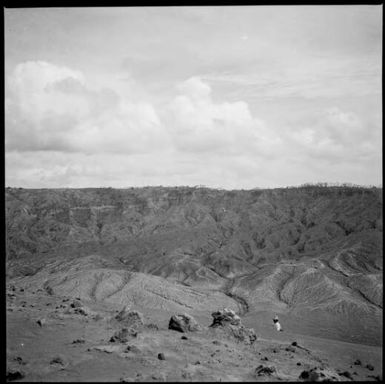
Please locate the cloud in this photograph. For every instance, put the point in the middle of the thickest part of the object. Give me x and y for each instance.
(335, 135)
(49, 107)
(199, 124)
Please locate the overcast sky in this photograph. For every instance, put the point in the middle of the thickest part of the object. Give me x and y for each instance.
(229, 97)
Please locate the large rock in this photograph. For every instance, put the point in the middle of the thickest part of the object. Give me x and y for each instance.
(183, 323)
(130, 318)
(224, 317)
(228, 322)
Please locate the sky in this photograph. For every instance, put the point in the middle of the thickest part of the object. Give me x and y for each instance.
(233, 97)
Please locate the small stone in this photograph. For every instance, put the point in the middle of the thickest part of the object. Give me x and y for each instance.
(357, 362)
(370, 367)
(264, 371)
(299, 363)
(123, 335)
(41, 322)
(76, 304)
(161, 356)
(197, 362)
(78, 341)
(57, 360)
(19, 360)
(132, 348)
(184, 338)
(294, 344)
(265, 359)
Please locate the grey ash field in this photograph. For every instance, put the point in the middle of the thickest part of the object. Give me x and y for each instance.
(77, 257)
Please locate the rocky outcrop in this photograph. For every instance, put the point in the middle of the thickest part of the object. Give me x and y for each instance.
(226, 316)
(230, 323)
(183, 323)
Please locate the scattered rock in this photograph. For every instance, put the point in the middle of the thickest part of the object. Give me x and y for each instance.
(377, 377)
(315, 374)
(346, 374)
(49, 290)
(41, 322)
(152, 326)
(245, 335)
(290, 349)
(197, 362)
(130, 318)
(81, 311)
(14, 374)
(160, 377)
(183, 323)
(57, 360)
(161, 356)
(265, 371)
(216, 342)
(123, 335)
(265, 358)
(133, 349)
(127, 380)
(357, 362)
(19, 360)
(106, 348)
(370, 367)
(79, 341)
(76, 304)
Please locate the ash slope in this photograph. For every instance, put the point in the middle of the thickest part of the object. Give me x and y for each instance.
(313, 255)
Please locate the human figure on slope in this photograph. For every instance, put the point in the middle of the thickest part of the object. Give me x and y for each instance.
(277, 324)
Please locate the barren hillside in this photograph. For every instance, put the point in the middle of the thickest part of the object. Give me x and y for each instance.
(311, 254)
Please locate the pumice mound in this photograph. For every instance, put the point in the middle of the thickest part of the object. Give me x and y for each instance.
(225, 316)
(183, 323)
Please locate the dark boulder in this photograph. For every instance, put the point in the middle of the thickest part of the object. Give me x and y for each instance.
(183, 323)
(41, 322)
(14, 374)
(76, 304)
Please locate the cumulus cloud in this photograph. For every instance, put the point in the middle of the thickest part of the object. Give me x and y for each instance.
(199, 124)
(336, 135)
(49, 107)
